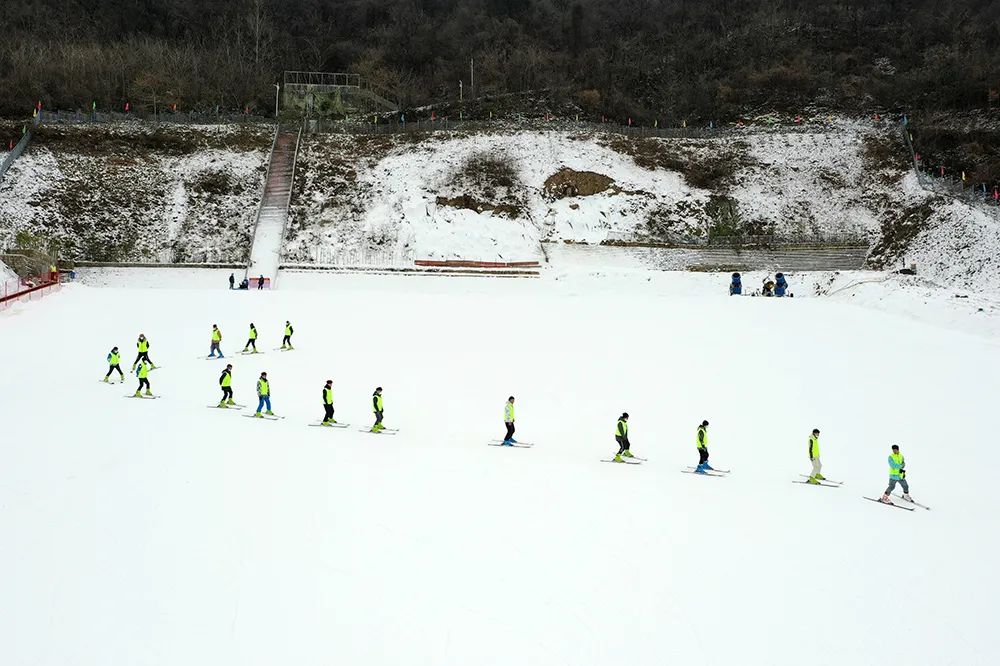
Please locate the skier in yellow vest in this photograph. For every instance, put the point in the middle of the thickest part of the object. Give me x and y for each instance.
(328, 419)
(508, 420)
(286, 342)
(142, 345)
(142, 372)
(114, 360)
(216, 342)
(226, 383)
(252, 339)
(263, 396)
(816, 477)
(701, 442)
(621, 436)
(378, 409)
(897, 474)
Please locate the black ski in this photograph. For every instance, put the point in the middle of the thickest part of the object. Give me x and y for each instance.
(838, 483)
(145, 397)
(720, 471)
(512, 446)
(332, 425)
(269, 417)
(691, 471)
(622, 462)
(828, 485)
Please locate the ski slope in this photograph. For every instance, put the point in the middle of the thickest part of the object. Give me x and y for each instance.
(162, 532)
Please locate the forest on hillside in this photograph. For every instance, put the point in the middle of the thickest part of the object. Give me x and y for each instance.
(668, 59)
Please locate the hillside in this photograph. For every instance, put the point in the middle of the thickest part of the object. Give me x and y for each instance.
(138, 192)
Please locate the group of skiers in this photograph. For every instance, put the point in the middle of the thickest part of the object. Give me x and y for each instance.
(245, 284)
(251, 346)
(143, 365)
(777, 287)
(897, 464)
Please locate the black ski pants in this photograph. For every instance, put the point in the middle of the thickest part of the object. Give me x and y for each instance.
(227, 392)
(252, 342)
(327, 412)
(113, 368)
(702, 455)
(622, 443)
(510, 431)
(378, 418)
(142, 356)
(143, 382)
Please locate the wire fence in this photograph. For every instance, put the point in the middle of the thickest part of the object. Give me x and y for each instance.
(354, 258)
(935, 180)
(8, 160)
(161, 116)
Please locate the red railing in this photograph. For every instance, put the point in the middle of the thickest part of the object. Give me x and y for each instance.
(27, 288)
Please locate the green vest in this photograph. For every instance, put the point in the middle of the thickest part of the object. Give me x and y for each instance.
(263, 388)
(327, 396)
(253, 333)
(701, 439)
(813, 447)
(622, 430)
(898, 459)
(216, 335)
(377, 402)
(227, 378)
(288, 329)
(113, 358)
(143, 370)
(143, 345)
(508, 413)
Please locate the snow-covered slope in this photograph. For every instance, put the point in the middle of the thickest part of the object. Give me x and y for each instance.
(163, 532)
(139, 192)
(495, 196)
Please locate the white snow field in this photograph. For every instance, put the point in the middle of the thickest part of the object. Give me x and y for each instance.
(162, 532)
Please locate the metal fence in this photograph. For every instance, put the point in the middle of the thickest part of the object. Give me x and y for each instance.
(14, 154)
(355, 258)
(448, 124)
(27, 288)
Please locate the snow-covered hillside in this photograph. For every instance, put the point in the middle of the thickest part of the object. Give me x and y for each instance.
(139, 192)
(497, 195)
(164, 532)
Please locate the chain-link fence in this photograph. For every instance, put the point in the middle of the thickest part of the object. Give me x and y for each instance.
(979, 195)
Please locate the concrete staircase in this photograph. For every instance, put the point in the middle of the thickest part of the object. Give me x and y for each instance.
(272, 215)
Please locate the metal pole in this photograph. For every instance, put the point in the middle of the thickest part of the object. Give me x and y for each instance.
(472, 77)
(277, 89)
(460, 91)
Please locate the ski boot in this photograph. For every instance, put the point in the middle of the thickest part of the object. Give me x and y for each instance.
(813, 480)
(105, 380)
(138, 394)
(326, 423)
(269, 413)
(618, 458)
(258, 415)
(222, 404)
(148, 393)
(819, 476)
(513, 441)
(885, 499)
(230, 402)
(627, 454)
(907, 497)
(507, 442)
(700, 469)
(708, 467)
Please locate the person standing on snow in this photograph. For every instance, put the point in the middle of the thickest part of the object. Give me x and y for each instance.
(142, 372)
(226, 382)
(113, 364)
(621, 436)
(508, 419)
(815, 477)
(143, 346)
(378, 409)
(216, 342)
(263, 395)
(232, 280)
(897, 474)
(252, 339)
(287, 340)
(260, 282)
(701, 442)
(328, 419)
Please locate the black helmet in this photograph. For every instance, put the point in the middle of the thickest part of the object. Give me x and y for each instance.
(704, 423)
(624, 415)
(736, 276)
